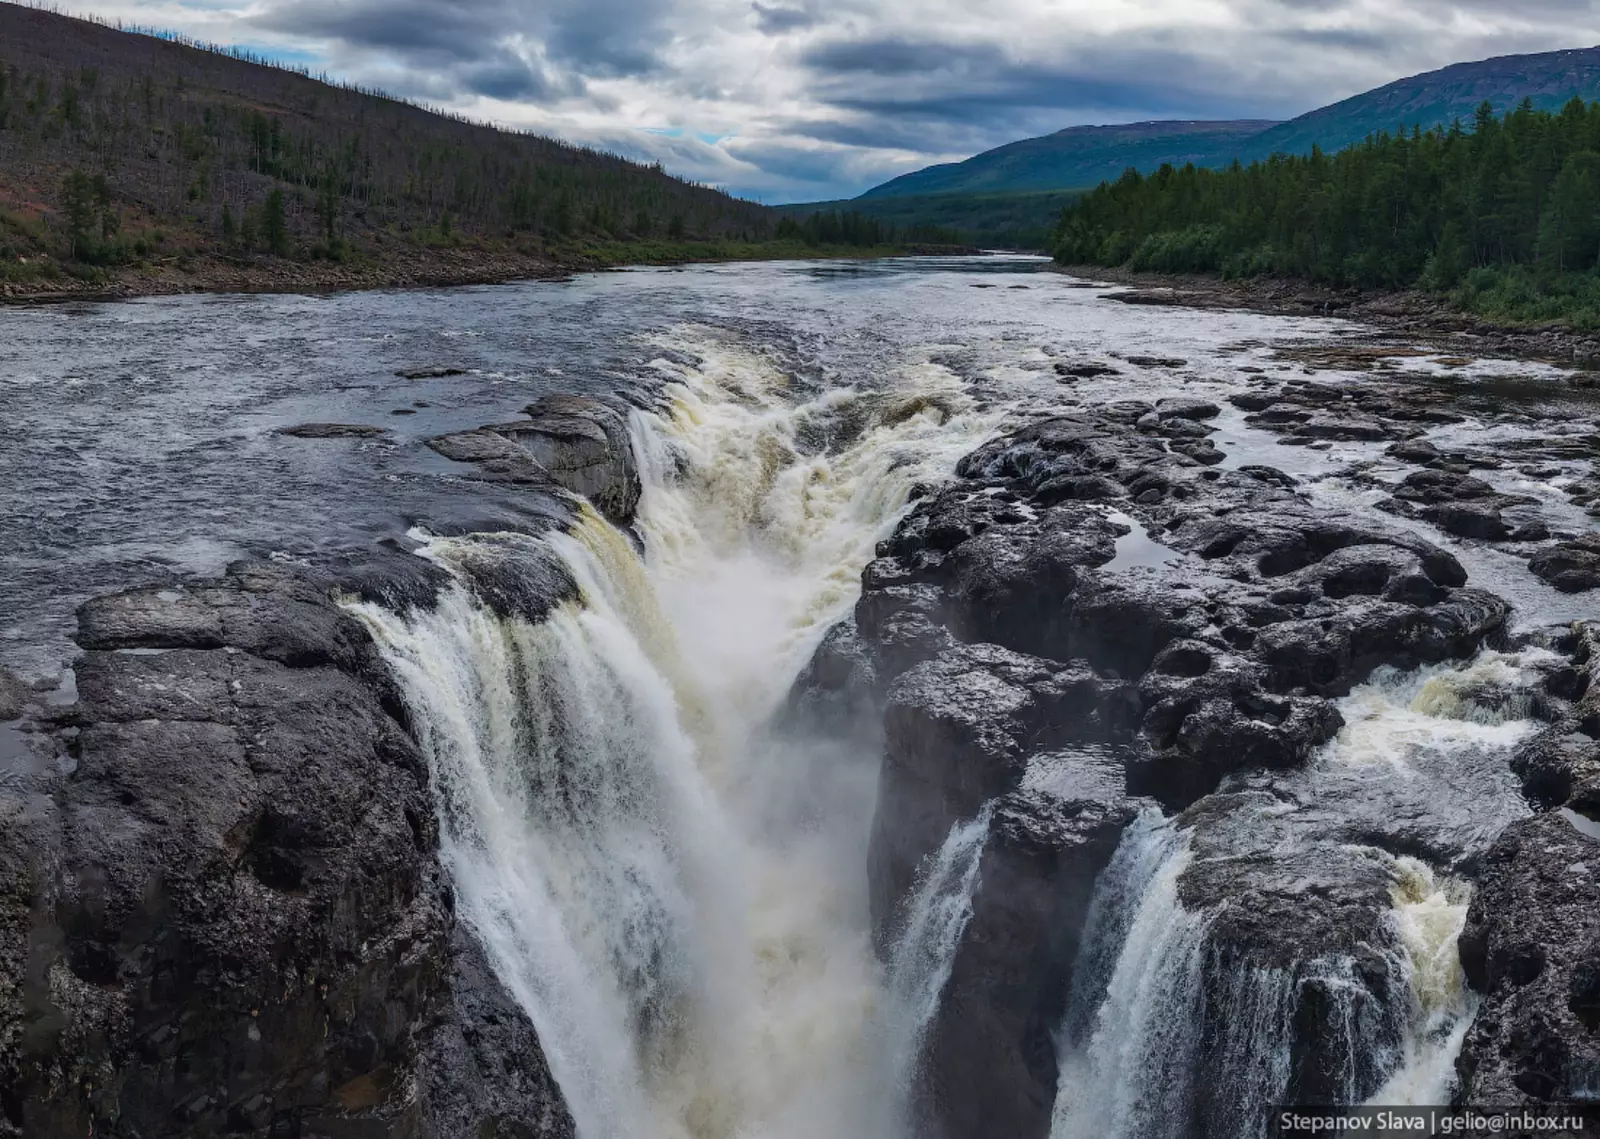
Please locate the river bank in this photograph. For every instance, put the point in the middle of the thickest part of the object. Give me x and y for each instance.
(403, 267)
(1416, 314)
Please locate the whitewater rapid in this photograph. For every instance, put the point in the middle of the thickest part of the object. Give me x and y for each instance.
(671, 889)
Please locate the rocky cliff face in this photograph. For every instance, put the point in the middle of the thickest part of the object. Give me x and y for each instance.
(1532, 940)
(1092, 616)
(220, 902)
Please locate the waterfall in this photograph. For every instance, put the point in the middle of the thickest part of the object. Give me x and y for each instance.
(919, 968)
(1170, 1034)
(674, 895)
(1134, 1014)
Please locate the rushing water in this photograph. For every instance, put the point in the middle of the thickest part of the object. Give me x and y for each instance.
(673, 889)
(674, 895)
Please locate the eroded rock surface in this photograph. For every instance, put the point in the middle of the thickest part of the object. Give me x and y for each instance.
(1093, 593)
(220, 899)
(580, 443)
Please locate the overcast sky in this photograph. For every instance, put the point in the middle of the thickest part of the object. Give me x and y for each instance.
(798, 100)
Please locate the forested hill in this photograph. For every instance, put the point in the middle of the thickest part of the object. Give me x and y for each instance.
(1074, 158)
(1504, 214)
(1437, 98)
(117, 146)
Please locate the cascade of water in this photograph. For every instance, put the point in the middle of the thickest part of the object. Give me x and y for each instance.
(675, 896)
(1168, 1033)
(924, 954)
(1132, 1032)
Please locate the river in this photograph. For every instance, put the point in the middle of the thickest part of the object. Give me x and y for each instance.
(671, 888)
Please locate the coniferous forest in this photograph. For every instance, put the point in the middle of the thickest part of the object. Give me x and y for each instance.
(1502, 214)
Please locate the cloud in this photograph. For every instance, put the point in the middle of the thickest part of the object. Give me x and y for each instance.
(787, 99)
(776, 19)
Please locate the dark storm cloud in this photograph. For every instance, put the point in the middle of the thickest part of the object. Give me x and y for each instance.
(966, 83)
(527, 50)
(775, 19)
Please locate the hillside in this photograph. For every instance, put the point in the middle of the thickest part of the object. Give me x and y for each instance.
(1075, 158)
(991, 221)
(123, 154)
(1437, 98)
(1083, 157)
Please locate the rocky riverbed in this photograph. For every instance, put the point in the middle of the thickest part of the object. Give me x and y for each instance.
(1263, 684)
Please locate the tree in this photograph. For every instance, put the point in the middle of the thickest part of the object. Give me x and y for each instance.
(230, 229)
(1569, 233)
(275, 225)
(78, 204)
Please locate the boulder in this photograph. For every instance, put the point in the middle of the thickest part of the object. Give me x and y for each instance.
(1531, 947)
(1572, 566)
(585, 445)
(959, 729)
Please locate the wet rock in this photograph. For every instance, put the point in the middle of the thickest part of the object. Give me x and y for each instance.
(333, 431)
(237, 918)
(1561, 764)
(1186, 407)
(14, 696)
(1154, 361)
(580, 443)
(989, 1065)
(431, 372)
(958, 732)
(1084, 371)
(498, 459)
(1531, 946)
(1300, 960)
(1572, 566)
(584, 444)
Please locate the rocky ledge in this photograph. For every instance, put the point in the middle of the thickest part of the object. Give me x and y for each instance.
(1094, 615)
(579, 443)
(221, 906)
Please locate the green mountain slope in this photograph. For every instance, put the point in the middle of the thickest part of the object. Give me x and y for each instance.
(1074, 158)
(1435, 98)
(1080, 157)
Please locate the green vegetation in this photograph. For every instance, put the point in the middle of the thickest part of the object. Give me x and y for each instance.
(1504, 217)
(993, 221)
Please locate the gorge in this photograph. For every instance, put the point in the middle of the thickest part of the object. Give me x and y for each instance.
(963, 705)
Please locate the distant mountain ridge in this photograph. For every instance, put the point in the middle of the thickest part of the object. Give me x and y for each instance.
(1083, 157)
(1075, 157)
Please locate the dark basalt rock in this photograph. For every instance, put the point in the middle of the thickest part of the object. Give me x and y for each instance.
(1531, 946)
(14, 696)
(221, 908)
(580, 443)
(583, 442)
(959, 730)
(1298, 948)
(1561, 765)
(1085, 371)
(1571, 567)
(333, 431)
(1290, 607)
(989, 1065)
